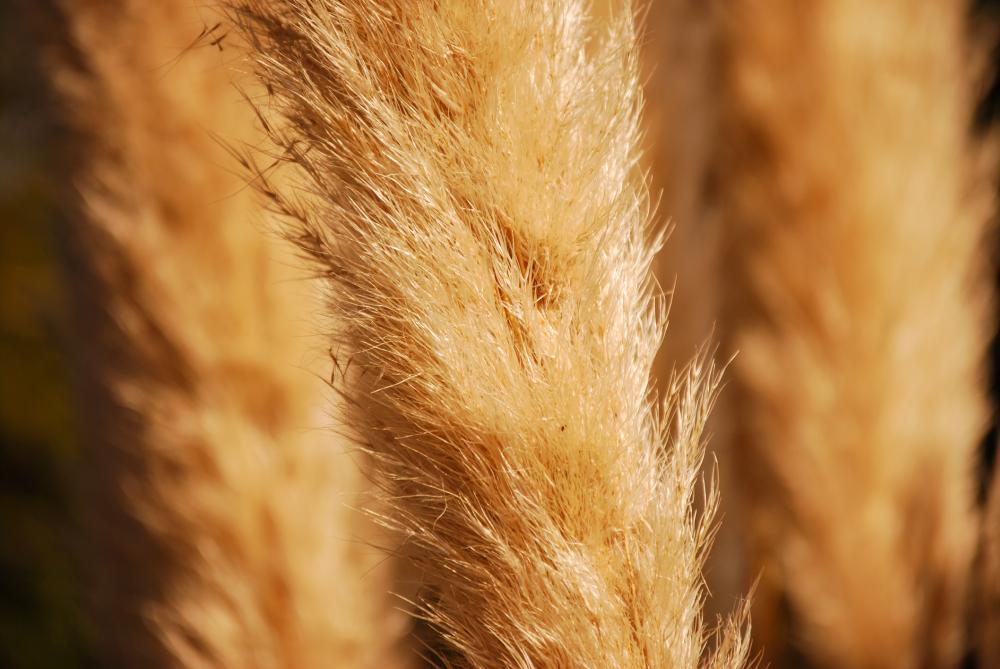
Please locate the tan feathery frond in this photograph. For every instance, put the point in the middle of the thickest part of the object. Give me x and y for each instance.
(224, 532)
(853, 208)
(474, 202)
(680, 119)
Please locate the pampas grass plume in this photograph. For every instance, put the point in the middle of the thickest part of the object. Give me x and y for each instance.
(853, 208)
(469, 190)
(224, 534)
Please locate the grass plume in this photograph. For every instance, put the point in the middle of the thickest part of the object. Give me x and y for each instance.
(680, 66)
(223, 535)
(853, 207)
(470, 192)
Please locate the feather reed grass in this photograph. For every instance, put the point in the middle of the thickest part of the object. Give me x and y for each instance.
(223, 533)
(680, 119)
(471, 195)
(853, 207)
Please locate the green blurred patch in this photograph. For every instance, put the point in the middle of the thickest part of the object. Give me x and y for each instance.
(41, 619)
(41, 623)
(34, 392)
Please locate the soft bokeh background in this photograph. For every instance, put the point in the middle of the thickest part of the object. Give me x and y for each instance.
(41, 595)
(41, 621)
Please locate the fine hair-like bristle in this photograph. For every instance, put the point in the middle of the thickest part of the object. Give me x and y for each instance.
(852, 209)
(224, 534)
(473, 199)
(680, 119)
